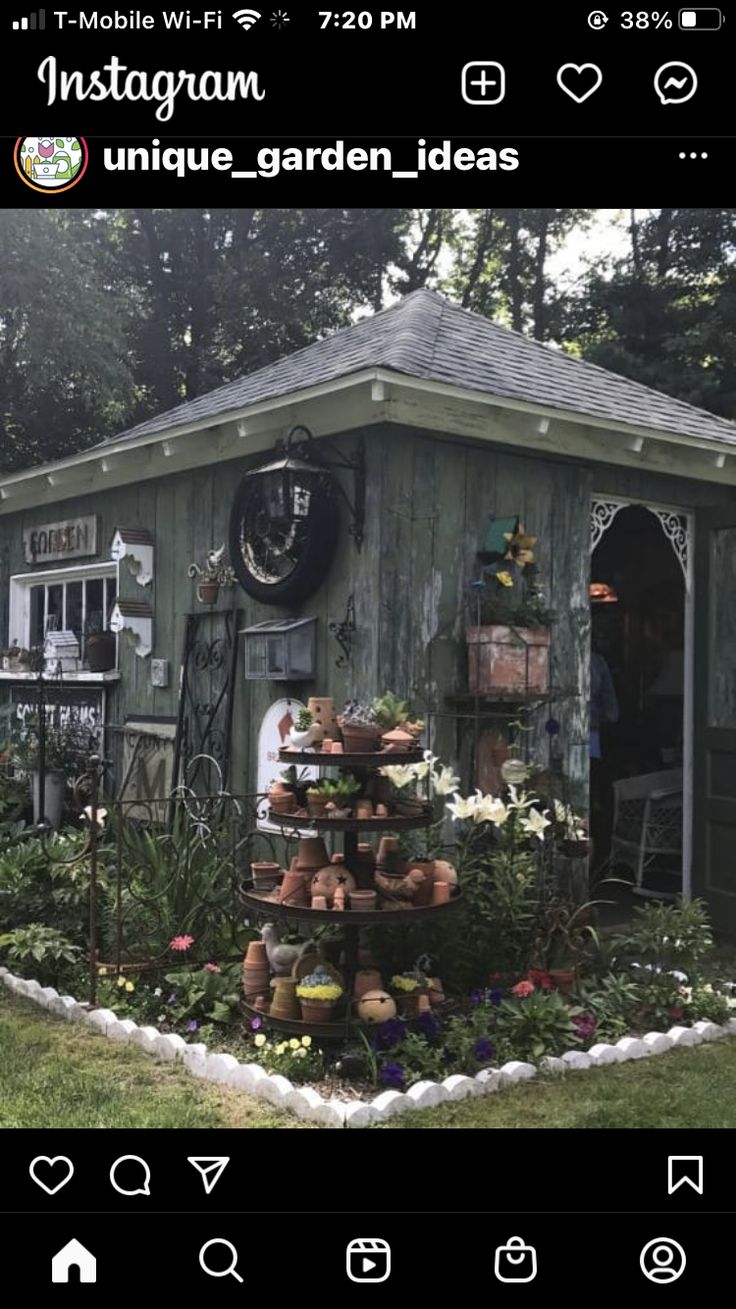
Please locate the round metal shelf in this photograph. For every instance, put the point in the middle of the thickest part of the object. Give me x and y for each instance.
(376, 760)
(296, 1027)
(258, 902)
(396, 823)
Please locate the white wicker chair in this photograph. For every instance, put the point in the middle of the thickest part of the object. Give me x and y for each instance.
(647, 824)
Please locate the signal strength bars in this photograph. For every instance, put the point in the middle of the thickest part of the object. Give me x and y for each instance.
(31, 23)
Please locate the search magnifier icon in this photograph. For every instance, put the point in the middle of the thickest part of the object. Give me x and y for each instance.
(232, 1267)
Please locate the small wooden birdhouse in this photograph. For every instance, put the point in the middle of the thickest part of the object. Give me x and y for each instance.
(136, 545)
(136, 617)
(61, 653)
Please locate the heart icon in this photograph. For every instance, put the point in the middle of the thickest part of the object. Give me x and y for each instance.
(52, 1166)
(579, 80)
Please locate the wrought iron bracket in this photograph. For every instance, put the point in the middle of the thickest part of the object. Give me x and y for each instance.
(301, 441)
(344, 632)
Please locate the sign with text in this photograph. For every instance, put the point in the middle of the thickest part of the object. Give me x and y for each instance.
(80, 706)
(148, 769)
(75, 538)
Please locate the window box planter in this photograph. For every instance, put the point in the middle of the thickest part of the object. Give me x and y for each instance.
(508, 659)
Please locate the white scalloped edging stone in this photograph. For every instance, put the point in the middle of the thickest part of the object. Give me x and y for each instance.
(632, 1048)
(551, 1066)
(708, 1031)
(577, 1059)
(307, 1103)
(518, 1071)
(684, 1036)
(657, 1042)
(603, 1054)
(460, 1087)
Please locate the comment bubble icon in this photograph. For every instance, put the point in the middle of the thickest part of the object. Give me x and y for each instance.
(675, 83)
(135, 1175)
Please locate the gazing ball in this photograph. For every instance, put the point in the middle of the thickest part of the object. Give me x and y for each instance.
(376, 1007)
(514, 771)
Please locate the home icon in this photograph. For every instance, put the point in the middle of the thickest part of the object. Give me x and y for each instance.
(74, 1256)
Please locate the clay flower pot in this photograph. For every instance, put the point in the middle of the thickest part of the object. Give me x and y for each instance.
(281, 799)
(256, 981)
(293, 889)
(316, 804)
(366, 979)
(255, 955)
(441, 893)
(445, 872)
(311, 854)
(423, 893)
(265, 876)
(365, 901)
(285, 1004)
(322, 709)
(408, 1003)
(207, 592)
(317, 1011)
(398, 741)
(389, 854)
(363, 809)
(361, 738)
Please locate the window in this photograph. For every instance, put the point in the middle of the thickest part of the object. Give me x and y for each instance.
(77, 599)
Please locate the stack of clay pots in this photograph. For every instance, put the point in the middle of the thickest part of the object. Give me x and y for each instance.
(293, 889)
(256, 973)
(285, 1004)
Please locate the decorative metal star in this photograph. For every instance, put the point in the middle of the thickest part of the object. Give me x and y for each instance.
(520, 546)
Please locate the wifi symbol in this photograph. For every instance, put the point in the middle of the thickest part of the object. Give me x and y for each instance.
(247, 18)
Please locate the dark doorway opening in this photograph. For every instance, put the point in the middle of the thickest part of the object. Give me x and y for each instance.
(637, 703)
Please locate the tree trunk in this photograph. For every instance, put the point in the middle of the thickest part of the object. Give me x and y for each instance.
(516, 290)
(539, 299)
(162, 364)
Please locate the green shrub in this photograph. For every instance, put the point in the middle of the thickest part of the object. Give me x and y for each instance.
(40, 952)
(538, 1024)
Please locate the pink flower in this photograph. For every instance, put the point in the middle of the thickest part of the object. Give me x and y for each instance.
(181, 942)
(212, 968)
(522, 989)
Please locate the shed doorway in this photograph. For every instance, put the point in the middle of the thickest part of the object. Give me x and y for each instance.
(641, 696)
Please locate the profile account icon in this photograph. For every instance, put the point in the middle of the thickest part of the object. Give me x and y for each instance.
(662, 1260)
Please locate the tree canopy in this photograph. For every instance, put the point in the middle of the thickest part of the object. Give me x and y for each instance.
(108, 316)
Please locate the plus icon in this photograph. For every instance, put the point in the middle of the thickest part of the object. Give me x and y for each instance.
(483, 83)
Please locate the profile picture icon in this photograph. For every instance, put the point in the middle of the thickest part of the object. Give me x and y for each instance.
(51, 163)
(662, 1260)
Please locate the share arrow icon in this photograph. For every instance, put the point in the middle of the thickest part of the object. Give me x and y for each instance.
(210, 1168)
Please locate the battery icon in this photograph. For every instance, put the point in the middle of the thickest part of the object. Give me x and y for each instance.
(701, 20)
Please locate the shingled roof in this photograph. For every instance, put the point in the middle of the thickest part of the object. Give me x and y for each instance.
(425, 336)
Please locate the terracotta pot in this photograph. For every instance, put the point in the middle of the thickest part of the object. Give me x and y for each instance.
(389, 855)
(381, 811)
(397, 741)
(322, 709)
(285, 1004)
(282, 800)
(265, 876)
(311, 854)
(423, 894)
(366, 979)
(512, 659)
(293, 889)
(317, 1011)
(364, 866)
(207, 592)
(441, 893)
(364, 809)
(327, 744)
(261, 1003)
(316, 805)
(100, 652)
(408, 1003)
(256, 981)
(361, 739)
(563, 979)
(365, 901)
(436, 992)
(445, 872)
(256, 955)
(337, 747)
(319, 901)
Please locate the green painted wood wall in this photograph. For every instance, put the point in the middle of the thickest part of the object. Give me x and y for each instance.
(428, 503)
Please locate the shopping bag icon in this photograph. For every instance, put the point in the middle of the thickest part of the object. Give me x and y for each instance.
(516, 1262)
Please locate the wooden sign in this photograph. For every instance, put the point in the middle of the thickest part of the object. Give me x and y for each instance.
(148, 769)
(274, 733)
(73, 539)
(65, 706)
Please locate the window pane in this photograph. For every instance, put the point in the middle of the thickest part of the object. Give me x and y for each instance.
(95, 604)
(74, 610)
(35, 634)
(54, 613)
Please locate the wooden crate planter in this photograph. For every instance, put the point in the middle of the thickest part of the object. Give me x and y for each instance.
(508, 659)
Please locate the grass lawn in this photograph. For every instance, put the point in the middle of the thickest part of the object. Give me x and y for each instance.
(59, 1074)
(686, 1088)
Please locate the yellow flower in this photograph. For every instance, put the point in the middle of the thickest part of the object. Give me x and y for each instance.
(102, 972)
(293, 1043)
(121, 981)
(260, 1040)
(130, 986)
(301, 1053)
(505, 578)
(281, 1048)
(306, 1042)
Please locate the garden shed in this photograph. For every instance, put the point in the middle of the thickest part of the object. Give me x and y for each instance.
(333, 524)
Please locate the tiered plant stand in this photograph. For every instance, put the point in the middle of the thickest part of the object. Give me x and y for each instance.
(264, 908)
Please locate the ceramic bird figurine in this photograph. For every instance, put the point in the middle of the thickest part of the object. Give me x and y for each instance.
(281, 958)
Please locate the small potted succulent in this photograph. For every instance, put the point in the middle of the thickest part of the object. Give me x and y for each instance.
(393, 715)
(361, 728)
(283, 796)
(305, 731)
(318, 995)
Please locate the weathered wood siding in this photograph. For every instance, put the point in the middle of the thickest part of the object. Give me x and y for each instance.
(428, 503)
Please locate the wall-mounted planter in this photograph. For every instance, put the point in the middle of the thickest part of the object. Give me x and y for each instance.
(136, 545)
(508, 659)
(136, 617)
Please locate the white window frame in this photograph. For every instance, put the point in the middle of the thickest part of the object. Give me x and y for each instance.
(21, 584)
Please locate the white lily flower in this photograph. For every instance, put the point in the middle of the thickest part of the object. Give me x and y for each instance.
(535, 822)
(445, 781)
(400, 775)
(491, 810)
(463, 808)
(561, 812)
(518, 801)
